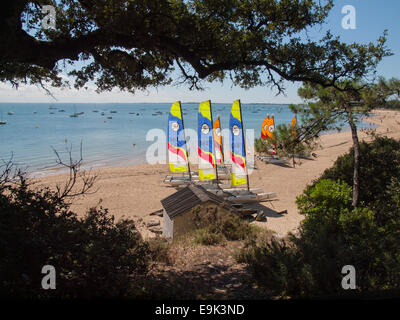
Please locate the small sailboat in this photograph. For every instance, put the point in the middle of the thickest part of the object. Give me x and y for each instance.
(267, 133)
(2, 122)
(113, 111)
(207, 168)
(218, 147)
(10, 113)
(177, 149)
(76, 114)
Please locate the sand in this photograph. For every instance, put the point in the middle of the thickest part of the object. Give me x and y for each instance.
(135, 191)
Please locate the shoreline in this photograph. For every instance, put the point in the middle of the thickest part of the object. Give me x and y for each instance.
(127, 162)
(135, 191)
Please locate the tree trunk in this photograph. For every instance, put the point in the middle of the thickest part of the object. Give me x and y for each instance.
(356, 146)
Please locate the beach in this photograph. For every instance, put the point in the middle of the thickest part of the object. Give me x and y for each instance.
(135, 191)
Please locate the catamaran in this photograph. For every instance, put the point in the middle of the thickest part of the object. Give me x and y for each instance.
(222, 166)
(267, 133)
(177, 149)
(209, 170)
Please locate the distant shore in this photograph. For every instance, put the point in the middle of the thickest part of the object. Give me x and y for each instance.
(135, 191)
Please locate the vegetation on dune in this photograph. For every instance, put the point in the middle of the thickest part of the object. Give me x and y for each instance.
(346, 102)
(215, 225)
(334, 233)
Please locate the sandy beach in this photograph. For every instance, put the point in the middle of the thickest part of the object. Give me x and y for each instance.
(135, 191)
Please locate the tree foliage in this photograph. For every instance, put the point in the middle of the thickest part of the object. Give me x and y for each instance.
(135, 44)
(293, 142)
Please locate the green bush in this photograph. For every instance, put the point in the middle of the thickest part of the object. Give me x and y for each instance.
(334, 234)
(262, 146)
(93, 256)
(215, 224)
(379, 162)
(208, 236)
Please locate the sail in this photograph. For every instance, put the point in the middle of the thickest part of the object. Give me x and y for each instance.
(219, 154)
(177, 153)
(205, 142)
(267, 130)
(238, 155)
(293, 124)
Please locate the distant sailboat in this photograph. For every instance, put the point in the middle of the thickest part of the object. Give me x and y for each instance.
(1, 121)
(10, 113)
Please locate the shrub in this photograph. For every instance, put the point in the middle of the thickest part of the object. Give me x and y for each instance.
(379, 162)
(332, 235)
(214, 224)
(94, 256)
(262, 146)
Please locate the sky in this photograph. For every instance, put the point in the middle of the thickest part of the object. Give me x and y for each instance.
(372, 18)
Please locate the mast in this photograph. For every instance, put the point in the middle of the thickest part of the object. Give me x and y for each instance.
(244, 146)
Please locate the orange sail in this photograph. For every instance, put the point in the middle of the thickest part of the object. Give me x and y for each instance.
(293, 124)
(219, 154)
(268, 128)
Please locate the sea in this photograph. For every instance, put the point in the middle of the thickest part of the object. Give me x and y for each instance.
(105, 135)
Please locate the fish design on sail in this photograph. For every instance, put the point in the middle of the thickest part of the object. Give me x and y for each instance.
(205, 142)
(177, 153)
(238, 154)
(267, 130)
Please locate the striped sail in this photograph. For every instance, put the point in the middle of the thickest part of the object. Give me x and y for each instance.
(238, 155)
(219, 154)
(177, 153)
(205, 142)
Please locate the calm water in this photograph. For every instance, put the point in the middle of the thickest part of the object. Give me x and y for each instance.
(34, 129)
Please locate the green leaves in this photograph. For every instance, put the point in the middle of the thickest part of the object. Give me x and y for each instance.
(251, 42)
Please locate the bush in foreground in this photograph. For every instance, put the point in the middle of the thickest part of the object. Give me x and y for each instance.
(93, 256)
(216, 225)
